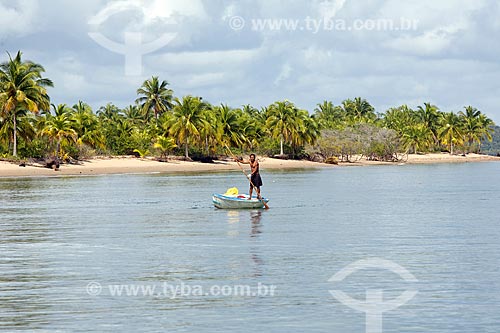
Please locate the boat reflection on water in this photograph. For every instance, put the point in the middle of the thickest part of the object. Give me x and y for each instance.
(233, 216)
(256, 217)
(237, 219)
(255, 231)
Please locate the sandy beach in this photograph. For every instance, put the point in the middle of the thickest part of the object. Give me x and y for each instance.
(429, 159)
(122, 165)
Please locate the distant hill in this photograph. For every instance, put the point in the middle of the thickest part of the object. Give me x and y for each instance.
(493, 147)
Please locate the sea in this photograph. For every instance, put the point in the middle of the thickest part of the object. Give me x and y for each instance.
(403, 248)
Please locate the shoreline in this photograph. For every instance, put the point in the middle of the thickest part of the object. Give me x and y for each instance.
(133, 165)
(431, 158)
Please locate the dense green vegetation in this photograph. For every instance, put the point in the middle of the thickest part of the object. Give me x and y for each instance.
(158, 123)
(493, 147)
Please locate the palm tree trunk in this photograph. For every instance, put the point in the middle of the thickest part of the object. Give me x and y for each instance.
(58, 148)
(14, 150)
(281, 146)
(186, 150)
(451, 148)
(434, 136)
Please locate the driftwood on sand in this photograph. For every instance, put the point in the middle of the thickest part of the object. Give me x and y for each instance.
(50, 163)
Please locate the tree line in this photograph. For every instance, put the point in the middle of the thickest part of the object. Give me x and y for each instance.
(159, 123)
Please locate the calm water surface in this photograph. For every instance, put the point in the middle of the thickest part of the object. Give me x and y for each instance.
(63, 238)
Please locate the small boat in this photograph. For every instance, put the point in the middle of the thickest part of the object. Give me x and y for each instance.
(237, 201)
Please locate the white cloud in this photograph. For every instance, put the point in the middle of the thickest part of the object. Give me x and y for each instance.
(284, 74)
(229, 11)
(440, 23)
(430, 13)
(430, 43)
(206, 79)
(329, 8)
(206, 59)
(162, 8)
(18, 18)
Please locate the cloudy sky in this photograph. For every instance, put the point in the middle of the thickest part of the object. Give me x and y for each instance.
(227, 51)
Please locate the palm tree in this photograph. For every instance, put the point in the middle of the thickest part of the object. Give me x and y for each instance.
(416, 138)
(154, 96)
(4, 130)
(359, 110)
(328, 115)
(281, 118)
(60, 126)
(364, 110)
(123, 127)
(164, 123)
(210, 131)
(109, 112)
(399, 118)
(165, 145)
(228, 125)
(472, 127)
(61, 109)
(305, 129)
(486, 128)
(86, 125)
(252, 124)
(250, 128)
(24, 126)
(312, 129)
(429, 116)
(82, 107)
(22, 88)
(188, 120)
(250, 110)
(134, 114)
(451, 131)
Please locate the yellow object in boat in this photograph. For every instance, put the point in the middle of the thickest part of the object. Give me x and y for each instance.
(232, 191)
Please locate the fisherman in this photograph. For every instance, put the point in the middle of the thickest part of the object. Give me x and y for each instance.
(255, 179)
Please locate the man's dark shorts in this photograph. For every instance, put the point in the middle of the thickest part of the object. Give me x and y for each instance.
(256, 180)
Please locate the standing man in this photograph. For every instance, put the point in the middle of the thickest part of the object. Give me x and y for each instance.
(255, 175)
